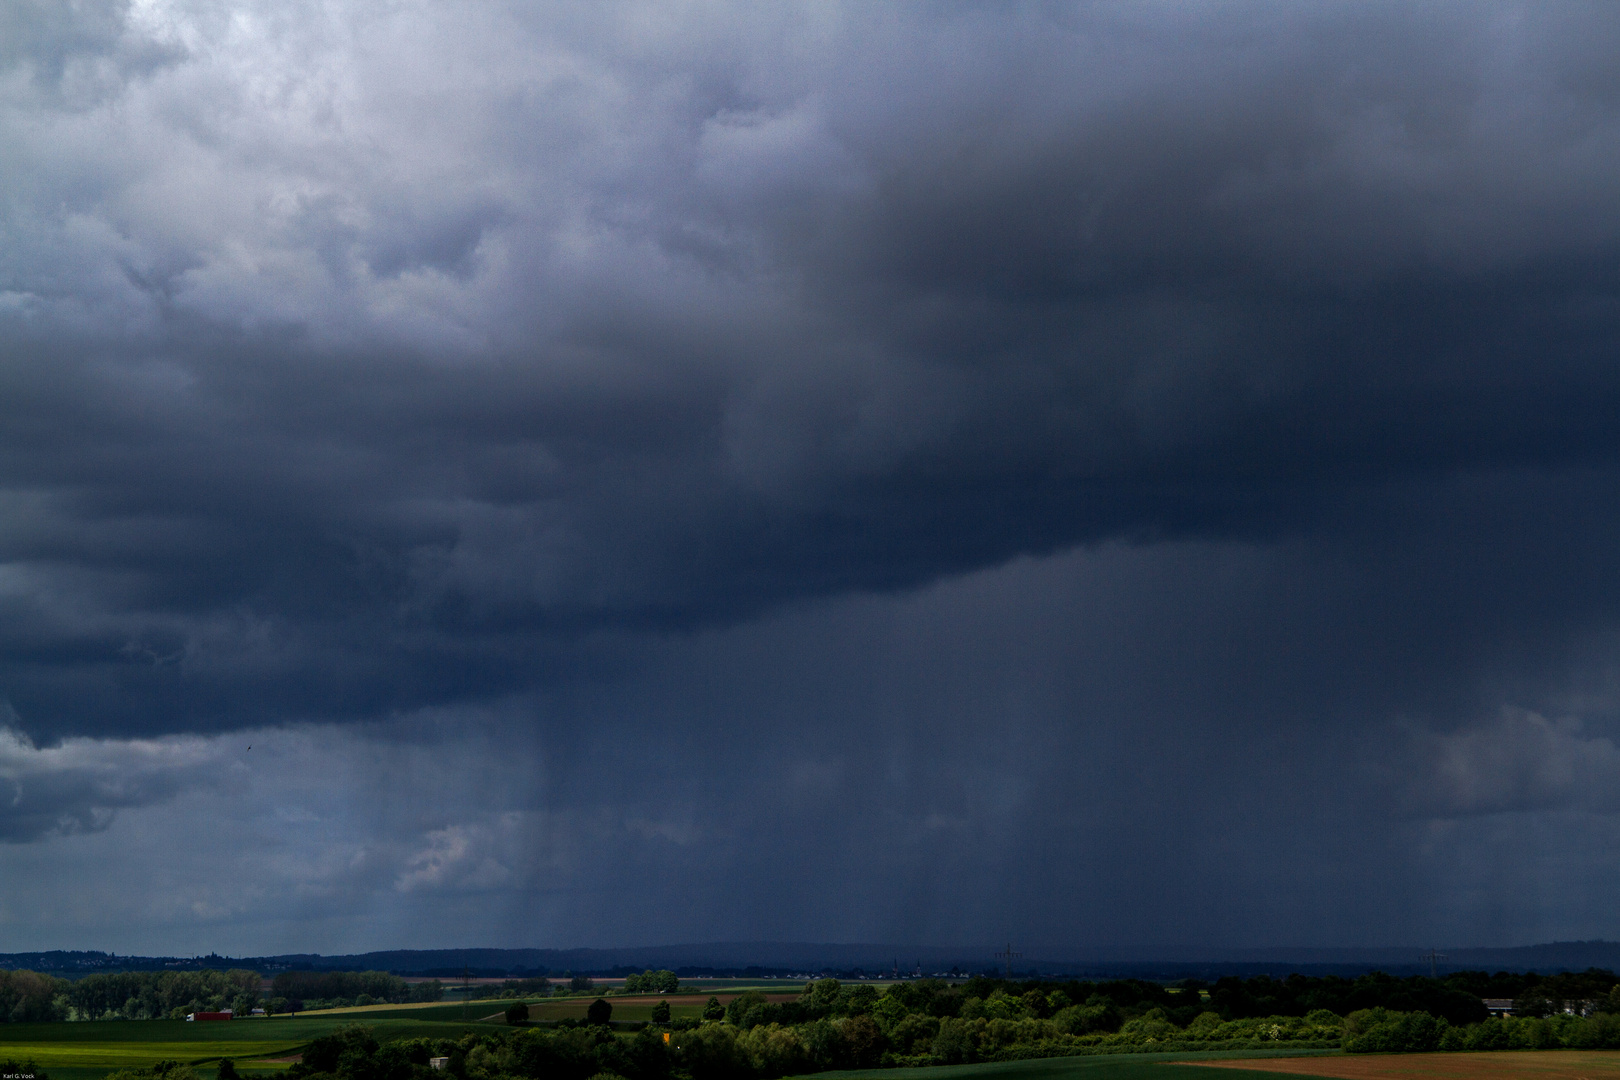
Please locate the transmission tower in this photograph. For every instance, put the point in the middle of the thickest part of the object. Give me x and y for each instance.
(1432, 956)
(1008, 956)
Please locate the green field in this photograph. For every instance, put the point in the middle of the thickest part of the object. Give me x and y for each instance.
(87, 1051)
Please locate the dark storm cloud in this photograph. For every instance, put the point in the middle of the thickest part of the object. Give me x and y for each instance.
(1178, 743)
(356, 361)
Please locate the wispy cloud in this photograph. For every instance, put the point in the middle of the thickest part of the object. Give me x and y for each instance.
(1523, 762)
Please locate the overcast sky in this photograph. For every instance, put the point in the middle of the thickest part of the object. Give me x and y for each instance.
(1138, 476)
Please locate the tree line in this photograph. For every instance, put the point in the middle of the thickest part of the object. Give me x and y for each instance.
(652, 982)
(30, 996)
(839, 1026)
(832, 1025)
(647, 982)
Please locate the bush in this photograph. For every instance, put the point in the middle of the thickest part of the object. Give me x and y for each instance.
(536, 987)
(324, 1052)
(1382, 1031)
(953, 1044)
(162, 1070)
(1535, 1034)
(1600, 1032)
(774, 1050)
(710, 1052)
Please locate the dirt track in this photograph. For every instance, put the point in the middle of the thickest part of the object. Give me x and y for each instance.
(1505, 1065)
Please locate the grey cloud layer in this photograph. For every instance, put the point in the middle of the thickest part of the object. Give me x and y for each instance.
(885, 768)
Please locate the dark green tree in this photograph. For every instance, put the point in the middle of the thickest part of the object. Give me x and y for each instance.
(714, 1010)
(741, 1005)
(517, 1013)
(227, 1070)
(660, 1012)
(599, 1012)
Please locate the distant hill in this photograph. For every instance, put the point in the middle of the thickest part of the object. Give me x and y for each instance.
(804, 958)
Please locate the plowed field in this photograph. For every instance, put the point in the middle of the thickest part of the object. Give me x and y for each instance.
(1505, 1065)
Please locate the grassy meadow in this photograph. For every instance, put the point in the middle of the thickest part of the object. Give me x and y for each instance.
(90, 1050)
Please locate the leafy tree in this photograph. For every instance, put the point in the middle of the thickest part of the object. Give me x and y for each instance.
(652, 982)
(28, 996)
(162, 1070)
(713, 1010)
(660, 1012)
(865, 1039)
(324, 1053)
(738, 1010)
(598, 1012)
(1536, 1002)
(433, 990)
(954, 1043)
(1384, 1031)
(711, 1052)
(825, 1042)
(517, 1013)
(227, 1070)
(821, 997)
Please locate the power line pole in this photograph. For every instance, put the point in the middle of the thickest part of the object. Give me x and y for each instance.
(1432, 956)
(1009, 956)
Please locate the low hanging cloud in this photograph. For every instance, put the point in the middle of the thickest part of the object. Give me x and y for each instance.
(457, 856)
(79, 784)
(1522, 763)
